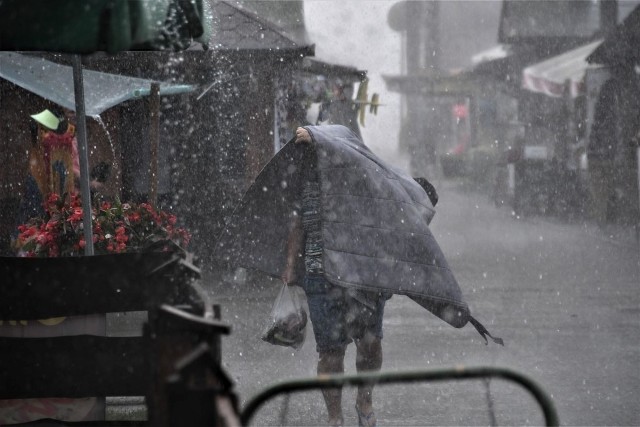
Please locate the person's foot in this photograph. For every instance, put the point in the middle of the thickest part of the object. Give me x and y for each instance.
(366, 419)
(336, 422)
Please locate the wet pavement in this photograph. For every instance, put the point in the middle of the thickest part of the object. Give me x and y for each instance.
(564, 297)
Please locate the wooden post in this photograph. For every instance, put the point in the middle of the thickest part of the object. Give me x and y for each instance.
(186, 368)
(154, 139)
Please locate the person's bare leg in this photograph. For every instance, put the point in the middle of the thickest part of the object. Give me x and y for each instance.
(368, 358)
(332, 363)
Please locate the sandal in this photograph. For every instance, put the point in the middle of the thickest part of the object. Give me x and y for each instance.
(366, 420)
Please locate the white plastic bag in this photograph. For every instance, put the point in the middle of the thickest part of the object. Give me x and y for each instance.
(288, 323)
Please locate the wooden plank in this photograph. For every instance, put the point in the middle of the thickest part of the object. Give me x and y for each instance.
(48, 422)
(76, 366)
(86, 365)
(86, 408)
(39, 288)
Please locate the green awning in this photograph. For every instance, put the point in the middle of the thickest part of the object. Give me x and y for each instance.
(85, 26)
(54, 82)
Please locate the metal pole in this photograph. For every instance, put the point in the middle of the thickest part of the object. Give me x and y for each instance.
(154, 136)
(81, 126)
(457, 373)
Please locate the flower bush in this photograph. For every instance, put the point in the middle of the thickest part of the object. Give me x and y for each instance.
(117, 227)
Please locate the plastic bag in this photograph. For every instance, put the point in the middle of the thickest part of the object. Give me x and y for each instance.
(288, 323)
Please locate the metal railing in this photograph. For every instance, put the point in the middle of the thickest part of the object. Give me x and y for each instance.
(455, 373)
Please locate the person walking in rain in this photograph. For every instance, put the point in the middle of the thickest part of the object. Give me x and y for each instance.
(328, 215)
(338, 315)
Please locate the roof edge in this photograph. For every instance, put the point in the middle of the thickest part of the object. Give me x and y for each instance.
(268, 24)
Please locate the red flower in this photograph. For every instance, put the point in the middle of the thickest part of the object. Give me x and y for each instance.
(117, 227)
(53, 199)
(28, 231)
(76, 216)
(134, 217)
(51, 225)
(41, 239)
(121, 234)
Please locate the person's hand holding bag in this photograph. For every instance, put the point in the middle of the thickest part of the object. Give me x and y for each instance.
(288, 322)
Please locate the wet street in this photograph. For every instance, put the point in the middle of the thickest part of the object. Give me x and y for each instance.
(564, 297)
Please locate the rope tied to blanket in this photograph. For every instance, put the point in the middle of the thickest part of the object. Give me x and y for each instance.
(483, 331)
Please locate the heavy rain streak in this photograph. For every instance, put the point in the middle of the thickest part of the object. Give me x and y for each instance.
(432, 207)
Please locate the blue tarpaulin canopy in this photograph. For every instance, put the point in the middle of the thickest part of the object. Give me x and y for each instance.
(55, 82)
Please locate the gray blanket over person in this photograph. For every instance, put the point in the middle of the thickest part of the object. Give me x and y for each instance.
(374, 224)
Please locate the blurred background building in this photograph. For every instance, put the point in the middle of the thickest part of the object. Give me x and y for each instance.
(513, 110)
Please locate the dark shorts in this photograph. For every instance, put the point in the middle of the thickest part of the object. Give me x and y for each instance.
(337, 318)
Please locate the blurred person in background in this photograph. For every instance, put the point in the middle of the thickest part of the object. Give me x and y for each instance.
(54, 165)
